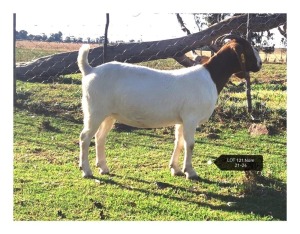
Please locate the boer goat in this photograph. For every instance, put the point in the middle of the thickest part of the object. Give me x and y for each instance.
(148, 98)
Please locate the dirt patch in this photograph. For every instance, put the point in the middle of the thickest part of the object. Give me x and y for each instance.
(258, 129)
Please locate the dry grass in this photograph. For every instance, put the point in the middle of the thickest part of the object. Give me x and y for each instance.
(50, 46)
(279, 55)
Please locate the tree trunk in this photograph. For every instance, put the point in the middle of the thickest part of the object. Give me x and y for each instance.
(65, 63)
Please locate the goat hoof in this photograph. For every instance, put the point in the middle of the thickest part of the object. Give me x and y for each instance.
(87, 175)
(104, 172)
(176, 172)
(195, 178)
(191, 176)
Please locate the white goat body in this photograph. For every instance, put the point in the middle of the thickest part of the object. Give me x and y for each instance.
(145, 98)
(148, 98)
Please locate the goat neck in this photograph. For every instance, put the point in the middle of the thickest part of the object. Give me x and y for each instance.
(222, 65)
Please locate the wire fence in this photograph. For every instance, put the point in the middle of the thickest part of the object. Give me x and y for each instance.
(35, 62)
(28, 50)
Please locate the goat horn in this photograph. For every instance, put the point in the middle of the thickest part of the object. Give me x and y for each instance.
(232, 36)
(218, 40)
(217, 44)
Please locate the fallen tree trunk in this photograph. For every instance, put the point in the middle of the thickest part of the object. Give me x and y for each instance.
(66, 63)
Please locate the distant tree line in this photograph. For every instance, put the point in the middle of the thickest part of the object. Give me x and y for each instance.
(56, 37)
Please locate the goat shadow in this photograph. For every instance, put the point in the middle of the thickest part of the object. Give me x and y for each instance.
(269, 192)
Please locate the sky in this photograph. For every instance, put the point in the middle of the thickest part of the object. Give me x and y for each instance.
(122, 26)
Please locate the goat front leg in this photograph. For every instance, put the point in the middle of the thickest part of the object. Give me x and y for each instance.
(100, 144)
(178, 145)
(189, 129)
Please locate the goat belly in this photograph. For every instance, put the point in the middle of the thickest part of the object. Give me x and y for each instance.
(140, 122)
(147, 113)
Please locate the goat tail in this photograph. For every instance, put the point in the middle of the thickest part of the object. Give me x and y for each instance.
(82, 60)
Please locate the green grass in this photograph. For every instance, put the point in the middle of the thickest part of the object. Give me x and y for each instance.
(48, 183)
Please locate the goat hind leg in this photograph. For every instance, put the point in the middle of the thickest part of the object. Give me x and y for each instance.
(101, 134)
(91, 124)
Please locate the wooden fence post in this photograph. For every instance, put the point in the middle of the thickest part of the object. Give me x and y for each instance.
(14, 60)
(105, 38)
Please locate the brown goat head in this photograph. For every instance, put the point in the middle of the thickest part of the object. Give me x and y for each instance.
(247, 56)
(235, 57)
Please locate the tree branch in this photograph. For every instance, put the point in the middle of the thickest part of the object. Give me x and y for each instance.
(283, 30)
(183, 27)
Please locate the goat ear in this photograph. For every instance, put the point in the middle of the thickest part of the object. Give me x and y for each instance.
(241, 57)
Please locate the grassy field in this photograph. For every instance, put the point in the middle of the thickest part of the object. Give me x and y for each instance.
(48, 183)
